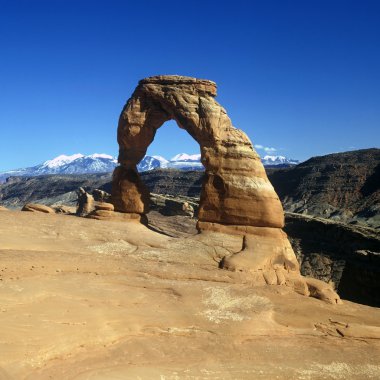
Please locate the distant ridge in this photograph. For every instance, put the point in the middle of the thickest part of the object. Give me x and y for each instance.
(278, 161)
(63, 164)
(342, 186)
(104, 163)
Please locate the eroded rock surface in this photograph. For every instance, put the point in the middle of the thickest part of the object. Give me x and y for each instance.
(88, 299)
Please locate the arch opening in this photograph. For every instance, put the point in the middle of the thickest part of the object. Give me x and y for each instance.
(170, 140)
(173, 174)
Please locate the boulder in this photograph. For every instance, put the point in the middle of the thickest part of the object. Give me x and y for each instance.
(35, 207)
(104, 206)
(117, 216)
(85, 203)
(188, 209)
(177, 207)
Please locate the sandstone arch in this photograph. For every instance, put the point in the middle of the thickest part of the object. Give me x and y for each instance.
(236, 190)
(237, 196)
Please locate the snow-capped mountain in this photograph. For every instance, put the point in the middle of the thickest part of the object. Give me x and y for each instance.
(181, 161)
(184, 161)
(183, 157)
(59, 161)
(278, 161)
(102, 163)
(74, 164)
(152, 162)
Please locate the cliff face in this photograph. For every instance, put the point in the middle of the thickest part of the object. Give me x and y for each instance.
(342, 186)
(348, 256)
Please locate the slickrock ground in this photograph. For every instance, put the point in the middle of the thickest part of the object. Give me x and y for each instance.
(89, 299)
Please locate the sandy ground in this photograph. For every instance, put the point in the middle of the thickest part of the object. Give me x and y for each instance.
(88, 299)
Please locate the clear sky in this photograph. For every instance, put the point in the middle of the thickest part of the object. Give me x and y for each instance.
(302, 77)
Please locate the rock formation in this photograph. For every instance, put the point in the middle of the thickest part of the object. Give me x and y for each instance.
(236, 198)
(35, 207)
(95, 207)
(85, 202)
(236, 190)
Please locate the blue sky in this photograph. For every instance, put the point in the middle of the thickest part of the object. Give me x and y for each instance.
(301, 77)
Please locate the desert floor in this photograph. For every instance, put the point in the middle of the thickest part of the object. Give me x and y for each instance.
(88, 299)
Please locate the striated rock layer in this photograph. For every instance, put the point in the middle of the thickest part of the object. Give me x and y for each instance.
(236, 196)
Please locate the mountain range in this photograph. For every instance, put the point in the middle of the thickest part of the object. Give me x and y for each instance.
(342, 186)
(103, 163)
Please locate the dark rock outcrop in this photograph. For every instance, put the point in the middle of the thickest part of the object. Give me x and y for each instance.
(174, 182)
(346, 255)
(61, 189)
(342, 186)
(49, 189)
(170, 205)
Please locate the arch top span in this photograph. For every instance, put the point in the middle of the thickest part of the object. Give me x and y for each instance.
(202, 85)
